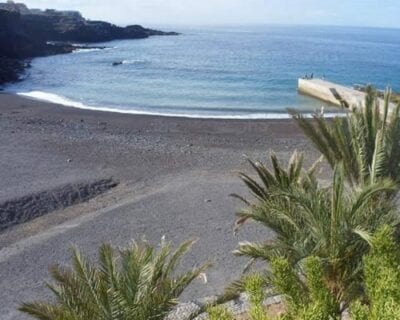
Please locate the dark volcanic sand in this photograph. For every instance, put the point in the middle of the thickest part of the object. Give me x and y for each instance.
(175, 178)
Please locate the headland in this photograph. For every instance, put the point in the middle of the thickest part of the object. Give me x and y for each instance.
(27, 33)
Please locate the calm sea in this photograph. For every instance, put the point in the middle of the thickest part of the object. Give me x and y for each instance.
(235, 72)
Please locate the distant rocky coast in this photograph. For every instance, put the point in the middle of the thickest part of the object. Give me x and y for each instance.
(26, 33)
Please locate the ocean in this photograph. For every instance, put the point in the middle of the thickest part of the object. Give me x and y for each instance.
(220, 72)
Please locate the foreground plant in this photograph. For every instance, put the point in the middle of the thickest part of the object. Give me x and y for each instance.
(254, 287)
(328, 223)
(137, 283)
(304, 289)
(306, 293)
(382, 278)
(219, 313)
(366, 141)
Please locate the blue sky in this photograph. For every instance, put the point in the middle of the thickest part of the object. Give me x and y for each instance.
(381, 13)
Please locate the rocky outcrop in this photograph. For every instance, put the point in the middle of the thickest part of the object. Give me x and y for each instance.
(18, 39)
(10, 69)
(60, 26)
(26, 33)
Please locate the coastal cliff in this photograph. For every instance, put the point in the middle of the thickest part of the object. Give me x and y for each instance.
(27, 33)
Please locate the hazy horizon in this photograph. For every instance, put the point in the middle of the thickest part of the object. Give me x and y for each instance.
(368, 13)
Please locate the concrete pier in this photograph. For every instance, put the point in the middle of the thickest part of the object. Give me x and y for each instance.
(332, 92)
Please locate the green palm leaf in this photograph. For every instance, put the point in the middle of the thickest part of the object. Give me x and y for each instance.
(366, 141)
(325, 222)
(137, 283)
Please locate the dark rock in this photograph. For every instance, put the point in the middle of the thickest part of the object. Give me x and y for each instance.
(10, 69)
(29, 207)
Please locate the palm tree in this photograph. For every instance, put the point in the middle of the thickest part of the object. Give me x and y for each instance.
(141, 285)
(309, 220)
(366, 141)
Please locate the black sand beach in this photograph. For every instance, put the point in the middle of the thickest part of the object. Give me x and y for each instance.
(174, 178)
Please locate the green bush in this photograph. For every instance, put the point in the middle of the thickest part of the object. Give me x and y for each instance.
(322, 304)
(307, 297)
(382, 279)
(219, 313)
(255, 289)
(307, 294)
(286, 282)
(141, 285)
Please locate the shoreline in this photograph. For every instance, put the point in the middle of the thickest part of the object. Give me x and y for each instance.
(174, 179)
(45, 97)
(20, 97)
(56, 99)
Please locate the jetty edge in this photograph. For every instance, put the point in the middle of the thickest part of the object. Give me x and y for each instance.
(334, 93)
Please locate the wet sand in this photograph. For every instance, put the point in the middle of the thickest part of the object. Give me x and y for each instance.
(174, 178)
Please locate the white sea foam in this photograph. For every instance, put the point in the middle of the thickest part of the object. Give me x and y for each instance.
(133, 61)
(54, 98)
(86, 50)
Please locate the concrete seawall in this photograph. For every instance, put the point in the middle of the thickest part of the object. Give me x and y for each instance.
(329, 91)
(332, 92)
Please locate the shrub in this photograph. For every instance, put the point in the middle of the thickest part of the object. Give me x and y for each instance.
(322, 305)
(382, 278)
(307, 297)
(254, 288)
(219, 313)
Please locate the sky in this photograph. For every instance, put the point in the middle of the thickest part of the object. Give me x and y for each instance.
(373, 13)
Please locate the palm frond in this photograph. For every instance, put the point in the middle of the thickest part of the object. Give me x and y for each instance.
(366, 141)
(138, 283)
(320, 221)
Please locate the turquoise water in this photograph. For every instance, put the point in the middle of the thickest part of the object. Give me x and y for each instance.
(248, 72)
